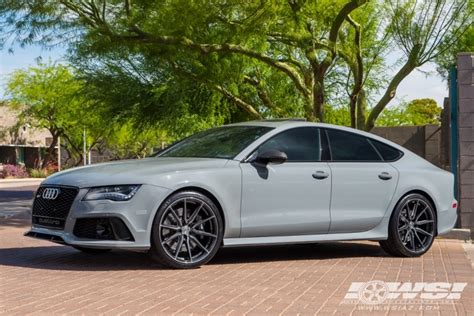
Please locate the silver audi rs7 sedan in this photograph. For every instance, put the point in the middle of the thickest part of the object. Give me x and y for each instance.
(254, 183)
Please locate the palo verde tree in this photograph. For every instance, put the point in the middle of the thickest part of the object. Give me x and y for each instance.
(253, 53)
(414, 113)
(464, 43)
(49, 96)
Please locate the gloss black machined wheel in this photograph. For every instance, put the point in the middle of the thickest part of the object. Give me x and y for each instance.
(416, 225)
(412, 227)
(187, 231)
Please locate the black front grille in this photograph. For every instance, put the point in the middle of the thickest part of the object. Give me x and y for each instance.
(51, 210)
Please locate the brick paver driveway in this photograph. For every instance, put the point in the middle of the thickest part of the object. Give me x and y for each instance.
(43, 278)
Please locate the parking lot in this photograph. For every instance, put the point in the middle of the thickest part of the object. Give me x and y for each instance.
(43, 278)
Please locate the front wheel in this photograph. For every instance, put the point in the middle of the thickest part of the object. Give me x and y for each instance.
(187, 231)
(412, 227)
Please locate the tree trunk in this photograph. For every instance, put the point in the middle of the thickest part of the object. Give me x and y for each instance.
(50, 151)
(361, 107)
(352, 110)
(389, 94)
(318, 99)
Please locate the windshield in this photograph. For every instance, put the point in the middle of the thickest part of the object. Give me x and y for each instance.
(222, 142)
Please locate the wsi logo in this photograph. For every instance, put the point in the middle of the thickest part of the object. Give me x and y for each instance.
(377, 292)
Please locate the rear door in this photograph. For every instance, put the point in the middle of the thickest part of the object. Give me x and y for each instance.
(363, 184)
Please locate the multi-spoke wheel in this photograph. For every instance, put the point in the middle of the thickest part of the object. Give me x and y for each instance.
(412, 227)
(187, 231)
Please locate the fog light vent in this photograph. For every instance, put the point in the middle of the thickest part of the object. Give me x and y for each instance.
(108, 228)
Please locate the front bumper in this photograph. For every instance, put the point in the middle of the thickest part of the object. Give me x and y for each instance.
(137, 215)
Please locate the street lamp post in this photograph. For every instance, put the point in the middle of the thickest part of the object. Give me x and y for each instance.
(59, 153)
(84, 148)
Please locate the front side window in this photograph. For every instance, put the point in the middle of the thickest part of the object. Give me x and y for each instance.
(222, 142)
(347, 146)
(299, 144)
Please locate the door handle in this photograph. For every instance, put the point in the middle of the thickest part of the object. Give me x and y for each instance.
(385, 176)
(320, 175)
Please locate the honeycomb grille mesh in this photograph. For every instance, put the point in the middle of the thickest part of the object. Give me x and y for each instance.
(54, 208)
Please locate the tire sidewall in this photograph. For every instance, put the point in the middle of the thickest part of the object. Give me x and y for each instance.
(158, 253)
(393, 229)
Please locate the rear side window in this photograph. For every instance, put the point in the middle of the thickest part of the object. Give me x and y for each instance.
(387, 152)
(347, 146)
(299, 144)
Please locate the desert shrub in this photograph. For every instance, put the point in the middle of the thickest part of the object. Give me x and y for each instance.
(43, 172)
(14, 171)
(38, 173)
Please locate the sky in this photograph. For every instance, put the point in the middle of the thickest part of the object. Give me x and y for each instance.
(423, 83)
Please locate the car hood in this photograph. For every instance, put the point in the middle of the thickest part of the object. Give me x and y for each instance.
(136, 171)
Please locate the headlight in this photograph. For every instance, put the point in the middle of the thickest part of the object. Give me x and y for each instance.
(113, 193)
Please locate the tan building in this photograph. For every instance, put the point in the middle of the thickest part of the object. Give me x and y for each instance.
(20, 144)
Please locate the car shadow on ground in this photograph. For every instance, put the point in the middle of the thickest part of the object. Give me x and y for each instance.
(68, 259)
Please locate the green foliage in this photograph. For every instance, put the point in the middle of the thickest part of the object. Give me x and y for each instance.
(126, 142)
(188, 65)
(465, 43)
(338, 116)
(416, 112)
(49, 96)
(52, 97)
(40, 172)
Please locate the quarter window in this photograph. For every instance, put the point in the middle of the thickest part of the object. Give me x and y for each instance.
(351, 147)
(388, 152)
(299, 144)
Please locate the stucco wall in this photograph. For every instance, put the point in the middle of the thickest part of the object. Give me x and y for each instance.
(425, 141)
(465, 67)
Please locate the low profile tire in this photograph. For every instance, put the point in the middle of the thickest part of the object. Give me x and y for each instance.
(91, 250)
(187, 231)
(412, 227)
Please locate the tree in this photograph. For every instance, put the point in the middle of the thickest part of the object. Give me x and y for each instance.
(126, 142)
(414, 113)
(49, 96)
(463, 43)
(243, 50)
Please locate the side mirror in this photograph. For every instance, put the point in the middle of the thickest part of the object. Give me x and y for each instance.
(272, 156)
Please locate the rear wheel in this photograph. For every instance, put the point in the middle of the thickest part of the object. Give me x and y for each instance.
(187, 231)
(412, 227)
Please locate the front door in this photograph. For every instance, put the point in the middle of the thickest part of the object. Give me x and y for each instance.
(291, 198)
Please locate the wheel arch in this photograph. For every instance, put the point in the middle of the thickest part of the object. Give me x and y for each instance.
(208, 194)
(424, 194)
(201, 190)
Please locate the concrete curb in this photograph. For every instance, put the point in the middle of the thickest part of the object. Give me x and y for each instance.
(469, 249)
(15, 180)
(458, 233)
(18, 183)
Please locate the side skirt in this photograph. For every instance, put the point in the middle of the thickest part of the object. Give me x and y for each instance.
(281, 240)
